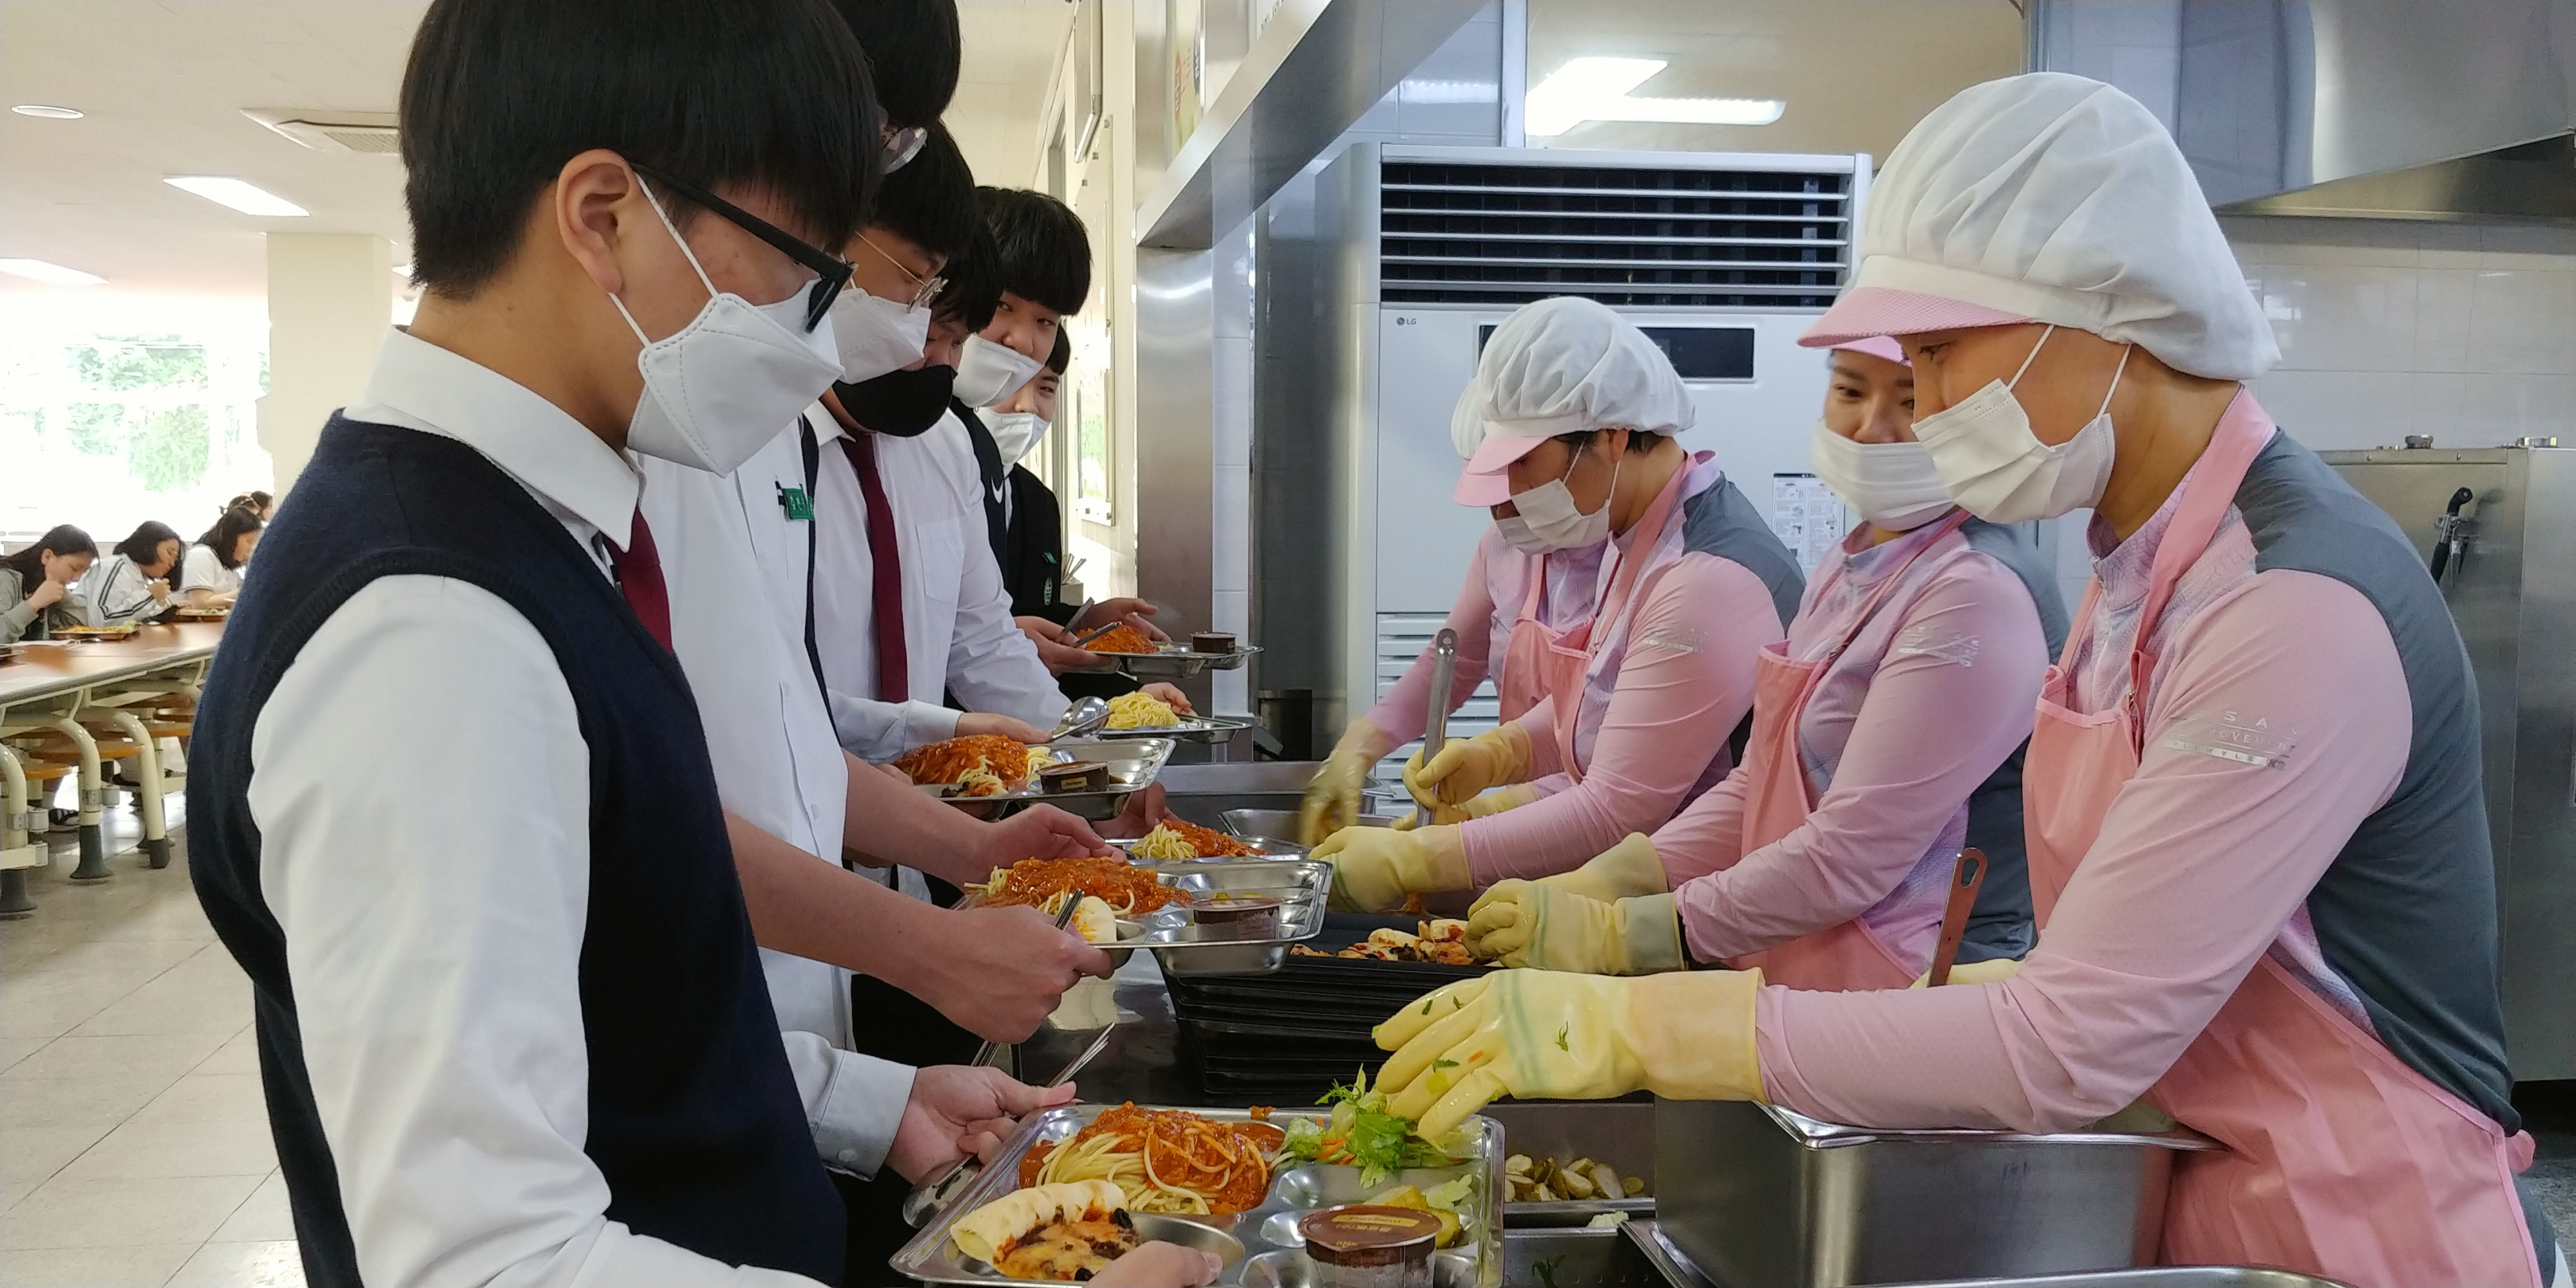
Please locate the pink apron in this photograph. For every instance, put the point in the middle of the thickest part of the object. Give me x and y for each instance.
(1841, 958)
(1539, 663)
(2341, 1160)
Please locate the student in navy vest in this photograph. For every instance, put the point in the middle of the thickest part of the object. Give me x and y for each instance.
(457, 818)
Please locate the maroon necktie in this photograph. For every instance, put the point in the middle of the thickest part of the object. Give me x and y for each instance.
(639, 575)
(885, 562)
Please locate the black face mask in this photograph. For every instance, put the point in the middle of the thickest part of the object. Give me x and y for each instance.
(903, 404)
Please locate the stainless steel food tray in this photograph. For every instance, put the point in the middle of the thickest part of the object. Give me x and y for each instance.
(1279, 826)
(1179, 663)
(1272, 1253)
(1756, 1194)
(1133, 765)
(1184, 946)
(1267, 847)
(1680, 1271)
(1190, 729)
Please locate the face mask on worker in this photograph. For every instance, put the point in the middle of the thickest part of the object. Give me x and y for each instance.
(1993, 464)
(1015, 432)
(1893, 485)
(720, 387)
(1550, 520)
(876, 335)
(903, 404)
(989, 373)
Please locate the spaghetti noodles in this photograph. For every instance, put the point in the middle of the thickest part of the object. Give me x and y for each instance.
(988, 764)
(1141, 710)
(1180, 839)
(1126, 888)
(1166, 1160)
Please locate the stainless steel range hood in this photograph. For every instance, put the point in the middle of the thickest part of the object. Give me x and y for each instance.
(2380, 109)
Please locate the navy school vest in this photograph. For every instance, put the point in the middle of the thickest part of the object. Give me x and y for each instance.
(695, 1121)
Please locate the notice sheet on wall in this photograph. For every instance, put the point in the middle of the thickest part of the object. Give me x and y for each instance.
(1808, 517)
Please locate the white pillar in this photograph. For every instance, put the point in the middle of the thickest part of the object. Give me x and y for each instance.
(330, 297)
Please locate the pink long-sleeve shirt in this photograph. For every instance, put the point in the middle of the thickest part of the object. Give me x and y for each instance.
(1692, 629)
(2202, 866)
(1935, 691)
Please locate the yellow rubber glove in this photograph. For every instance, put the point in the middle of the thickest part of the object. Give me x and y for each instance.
(2001, 968)
(1628, 870)
(1542, 1035)
(1375, 867)
(1466, 767)
(1485, 806)
(1543, 927)
(1333, 797)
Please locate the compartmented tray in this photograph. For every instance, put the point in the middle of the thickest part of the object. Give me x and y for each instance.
(1261, 1248)
(1189, 943)
(1177, 663)
(1133, 765)
(1188, 729)
(1266, 847)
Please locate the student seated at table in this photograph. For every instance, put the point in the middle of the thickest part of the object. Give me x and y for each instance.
(259, 503)
(133, 585)
(36, 595)
(212, 575)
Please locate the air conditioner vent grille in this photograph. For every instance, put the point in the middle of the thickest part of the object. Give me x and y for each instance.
(1711, 238)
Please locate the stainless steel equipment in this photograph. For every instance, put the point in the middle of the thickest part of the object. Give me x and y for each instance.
(2506, 556)
(1187, 942)
(1676, 1268)
(1618, 1133)
(1755, 1194)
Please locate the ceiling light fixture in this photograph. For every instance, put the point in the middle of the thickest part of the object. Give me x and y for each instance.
(37, 270)
(48, 112)
(243, 196)
(1597, 89)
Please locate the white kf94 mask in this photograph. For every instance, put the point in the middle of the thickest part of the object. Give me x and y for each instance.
(1893, 485)
(988, 373)
(876, 335)
(1992, 463)
(729, 381)
(1549, 520)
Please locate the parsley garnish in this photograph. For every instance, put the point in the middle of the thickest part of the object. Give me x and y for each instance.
(1560, 1039)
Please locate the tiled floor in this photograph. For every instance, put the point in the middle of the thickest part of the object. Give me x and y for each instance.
(134, 1150)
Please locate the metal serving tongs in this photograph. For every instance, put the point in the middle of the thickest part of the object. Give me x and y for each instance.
(1435, 723)
(1965, 880)
(927, 1198)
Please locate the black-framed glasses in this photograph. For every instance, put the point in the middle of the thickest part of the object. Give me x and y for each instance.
(831, 272)
(924, 289)
(902, 145)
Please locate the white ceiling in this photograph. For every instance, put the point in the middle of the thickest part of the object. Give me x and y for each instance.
(164, 85)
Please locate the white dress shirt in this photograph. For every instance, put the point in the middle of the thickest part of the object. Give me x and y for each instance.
(199, 569)
(421, 786)
(123, 593)
(777, 763)
(958, 632)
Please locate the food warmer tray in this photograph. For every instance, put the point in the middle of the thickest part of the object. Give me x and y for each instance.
(1296, 1031)
(1280, 825)
(1133, 765)
(1676, 1268)
(1261, 1248)
(1179, 663)
(1190, 729)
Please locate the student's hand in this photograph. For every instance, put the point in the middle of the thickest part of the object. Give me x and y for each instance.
(160, 588)
(1160, 1265)
(978, 722)
(1180, 701)
(1057, 649)
(1038, 832)
(956, 1110)
(1133, 611)
(1144, 811)
(1001, 971)
(47, 593)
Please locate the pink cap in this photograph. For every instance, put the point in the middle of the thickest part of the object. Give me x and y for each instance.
(1487, 481)
(1866, 311)
(1877, 346)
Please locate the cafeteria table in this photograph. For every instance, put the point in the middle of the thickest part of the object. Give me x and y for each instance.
(62, 694)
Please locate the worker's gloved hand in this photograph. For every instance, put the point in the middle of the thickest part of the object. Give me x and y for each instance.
(1485, 806)
(1544, 927)
(1543, 1035)
(1996, 971)
(1631, 869)
(1465, 768)
(1333, 798)
(1375, 867)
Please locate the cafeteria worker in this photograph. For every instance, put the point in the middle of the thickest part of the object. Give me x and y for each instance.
(1628, 586)
(1905, 685)
(2259, 856)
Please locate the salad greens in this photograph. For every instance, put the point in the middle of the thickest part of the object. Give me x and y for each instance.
(1361, 1133)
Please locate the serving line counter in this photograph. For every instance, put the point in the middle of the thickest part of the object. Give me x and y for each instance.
(69, 707)
(1750, 1196)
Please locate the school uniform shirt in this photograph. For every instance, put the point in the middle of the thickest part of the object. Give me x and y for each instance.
(957, 627)
(489, 787)
(123, 593)
(201, 570)
(777, 764)
(18, 621)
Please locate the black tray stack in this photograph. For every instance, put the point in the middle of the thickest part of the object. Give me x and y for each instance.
(1288, 1037)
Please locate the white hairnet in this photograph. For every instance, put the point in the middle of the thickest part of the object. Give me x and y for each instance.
(2058, 199)
(1568, 365)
